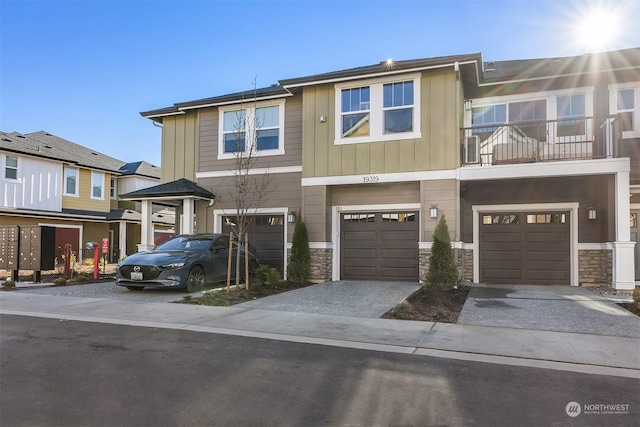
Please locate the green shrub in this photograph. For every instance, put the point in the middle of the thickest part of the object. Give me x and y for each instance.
(82, 277)
(299, 267)
(60, 281)
(636, 296)
(8, 284)
(443, 271)
(267, 275)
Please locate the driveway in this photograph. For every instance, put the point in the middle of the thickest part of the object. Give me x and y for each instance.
(547, 308)
(341, 298)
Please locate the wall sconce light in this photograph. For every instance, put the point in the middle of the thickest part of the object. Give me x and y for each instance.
(433, 212)
(591, 212)
(323, 119)
(291, 217)
(467, 104)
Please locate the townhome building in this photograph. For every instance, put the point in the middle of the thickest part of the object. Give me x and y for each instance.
(52, 182)
(533, 164)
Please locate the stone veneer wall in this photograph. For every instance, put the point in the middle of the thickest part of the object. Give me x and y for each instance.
(465, 263)
(321, 264)
(595, 267)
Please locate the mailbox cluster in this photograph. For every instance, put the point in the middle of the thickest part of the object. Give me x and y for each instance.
(27, 248)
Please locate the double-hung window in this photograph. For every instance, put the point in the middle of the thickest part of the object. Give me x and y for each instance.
(256, 128)
(378, 110)
(625, 103)
(11, 167)
(97, 185)
(71, 182)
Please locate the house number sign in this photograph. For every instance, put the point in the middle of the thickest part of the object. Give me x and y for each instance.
(370, 179)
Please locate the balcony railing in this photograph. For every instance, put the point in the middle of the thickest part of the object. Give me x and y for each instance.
(541, 141)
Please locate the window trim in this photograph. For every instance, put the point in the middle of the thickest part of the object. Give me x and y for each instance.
(113, 188)
(376, 109)
(95, 175)
(613, 106)
(551, 98)
(77, 176)
(6, 167)
(249, 115)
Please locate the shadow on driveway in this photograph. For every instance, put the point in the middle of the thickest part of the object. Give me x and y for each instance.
(547, 308)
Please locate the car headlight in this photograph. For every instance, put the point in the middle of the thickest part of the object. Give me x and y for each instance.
(173, 265)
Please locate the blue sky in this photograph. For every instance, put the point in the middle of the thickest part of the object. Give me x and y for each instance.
(83, 70)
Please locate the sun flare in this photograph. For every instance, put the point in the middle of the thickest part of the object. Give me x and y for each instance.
(598, 28)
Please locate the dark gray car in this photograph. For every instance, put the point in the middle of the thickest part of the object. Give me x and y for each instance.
(187, 261)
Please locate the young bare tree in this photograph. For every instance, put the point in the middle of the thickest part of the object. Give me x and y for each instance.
(249, 190)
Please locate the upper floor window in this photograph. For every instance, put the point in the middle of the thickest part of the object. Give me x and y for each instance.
(112, 189)
(70, 181)
(571, 113)
(259, 128)
(625, 102)
(11, 167)
(555, 116)
(97, 185)
(378, 110)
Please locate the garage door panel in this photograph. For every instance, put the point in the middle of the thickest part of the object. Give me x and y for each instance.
(379, 249)
(360, 236)
(502, 237)
(369, 253)
(534, 249)
(266, 236)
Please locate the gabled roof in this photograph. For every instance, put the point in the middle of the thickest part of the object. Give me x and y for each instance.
(529, 69)
(176, 189)
(47, 146)
(382, 68)
(271, 92)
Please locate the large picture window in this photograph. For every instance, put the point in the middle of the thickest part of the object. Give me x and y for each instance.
(378, 110)
(571, 114)
(265, 123)
(70, 181)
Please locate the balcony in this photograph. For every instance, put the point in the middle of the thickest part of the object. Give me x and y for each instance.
(541, 141)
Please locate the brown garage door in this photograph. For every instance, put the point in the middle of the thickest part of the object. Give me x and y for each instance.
(379, 246)
(525, 248)
(266, 236)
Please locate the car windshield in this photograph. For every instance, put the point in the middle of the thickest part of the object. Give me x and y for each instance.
(186, 244)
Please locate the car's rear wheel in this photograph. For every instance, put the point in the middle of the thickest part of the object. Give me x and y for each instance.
(135, 288)
(196, 279)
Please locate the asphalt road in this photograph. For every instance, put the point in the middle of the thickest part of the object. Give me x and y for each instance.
(69, 373)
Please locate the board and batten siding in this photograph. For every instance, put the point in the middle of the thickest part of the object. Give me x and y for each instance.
(209, 127)
(38, 185)
(179, 146)
(84, 202)
(437, 149)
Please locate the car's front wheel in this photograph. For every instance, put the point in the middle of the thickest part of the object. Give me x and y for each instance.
(196, 279)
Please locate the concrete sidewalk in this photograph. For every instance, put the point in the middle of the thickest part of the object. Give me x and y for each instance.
(596, 354)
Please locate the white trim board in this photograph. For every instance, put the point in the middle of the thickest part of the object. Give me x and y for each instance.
(572, 207)
(219, 213)
(256, 171)
(336, 211)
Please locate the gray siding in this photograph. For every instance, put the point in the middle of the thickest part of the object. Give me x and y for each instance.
(405, 192)
(208, 128)
(442, 194)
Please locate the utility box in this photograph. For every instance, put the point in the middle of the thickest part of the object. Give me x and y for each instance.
(9, 245)
(37, 248)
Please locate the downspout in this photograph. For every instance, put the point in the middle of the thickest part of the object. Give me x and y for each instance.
(459, 253)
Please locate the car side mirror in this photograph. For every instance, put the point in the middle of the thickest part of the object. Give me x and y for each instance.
(217, 249)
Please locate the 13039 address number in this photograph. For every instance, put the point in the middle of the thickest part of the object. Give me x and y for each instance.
(371, 179)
